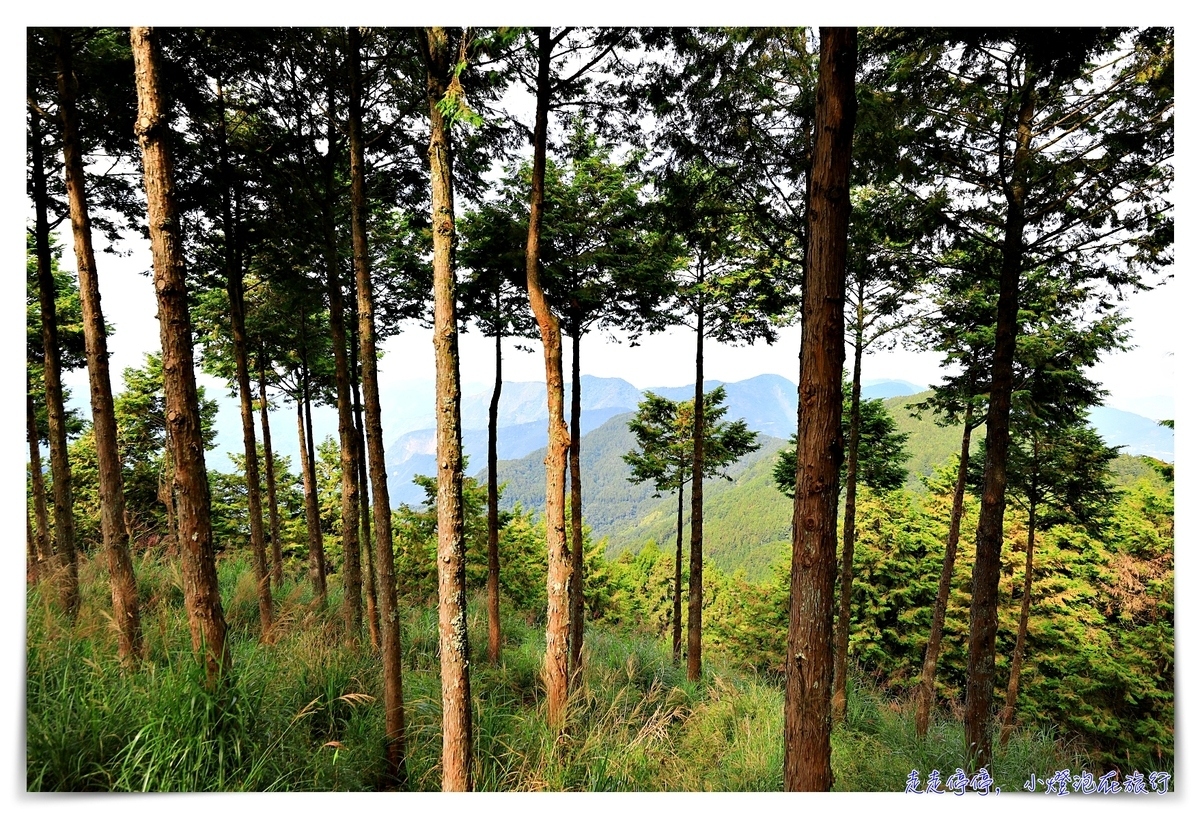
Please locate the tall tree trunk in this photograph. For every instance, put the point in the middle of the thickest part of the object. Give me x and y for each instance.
(347, 438)
(989, 534)
(66, 569)
(493, 488)
(41, 533)
(558, 574)
(809, 660)
(364, 507)
(1014, 674)
(166, 496)
(393, 690)
(104, 424)
(677, 619)
(269, 462)
(841, 639)
(451, 544)
(696, 573)
(235, 287)
(201, 593)
(576, 588)
(925, 691)
(312, 511)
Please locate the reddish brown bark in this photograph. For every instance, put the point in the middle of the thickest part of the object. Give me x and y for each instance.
(441, 59)
(312, 511)
(925, 691)
(41, 517)
(364, 507)
(677, 621)
(66, 570)
(989, 534)
(809, 660)
(393, 691)
(104, 424)
(558, 574)
(201, 594)
(1014, 674)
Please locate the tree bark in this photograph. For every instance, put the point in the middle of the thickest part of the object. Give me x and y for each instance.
(235, 288)
(347, 438)
(66, 569)
(925, 691)
(575, 594)
(696, 573)
(493, 488)
(41, 533)
(269, 458)
(841, 639)
(312, 511)
(451, 545)
(201, 594)
(1014, 675)
(809, 660)
(989, 534)
(364, 507)
(104, 424)
(677, 620)
(558, 574)
(396, 773)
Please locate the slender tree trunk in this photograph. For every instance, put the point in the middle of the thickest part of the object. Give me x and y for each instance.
(393, 691)
(493, 488)
(809, 660)
(576, 587)
(989, 534)
(38, 487)
(104, 424)
(696, 573)
(66, 570)
(841, 640)
(347, 438)
(269, 462)
(925, 691)
(364, 507)
(677, 619)
(558, 575)
(235, 287)
(312, 511)
(451, 545)
(201, 594)
(166, 496)
(1014, 675)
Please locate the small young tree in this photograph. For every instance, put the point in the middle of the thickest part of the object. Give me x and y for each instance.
(664, 430)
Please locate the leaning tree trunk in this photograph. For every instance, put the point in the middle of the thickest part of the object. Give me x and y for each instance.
(104, 423)
(989, 534)
(677, 620)
(575, 591)
(269, 462)
(451, 544)
(493, 488)
(809, 660)
(696, 565)
(201, 593)
(1014, 675)
(348, 440)
(235, 288)
(925, 691)
(41, 532)
(393, 690)
(558, 574)
(66, 569)
(841, 646)
(312, 511)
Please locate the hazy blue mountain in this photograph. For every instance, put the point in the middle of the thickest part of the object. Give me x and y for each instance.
(1134, 433)
(889, 389)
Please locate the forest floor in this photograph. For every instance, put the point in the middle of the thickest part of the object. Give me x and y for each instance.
(302, 710)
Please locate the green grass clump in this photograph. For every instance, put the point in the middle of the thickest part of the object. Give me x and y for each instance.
(302, 709)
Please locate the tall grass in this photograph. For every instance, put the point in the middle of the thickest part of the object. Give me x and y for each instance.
(301, 710)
